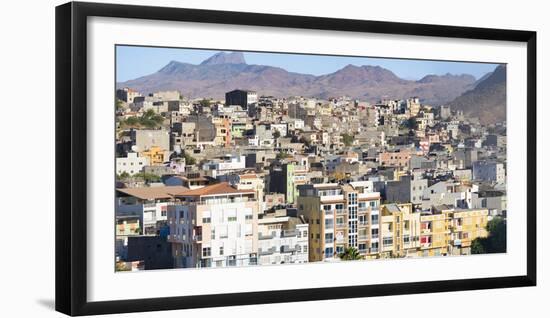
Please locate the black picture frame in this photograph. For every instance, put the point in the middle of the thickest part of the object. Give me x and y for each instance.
(71, 157)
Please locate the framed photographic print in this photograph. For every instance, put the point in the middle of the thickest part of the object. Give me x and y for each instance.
(208, 158)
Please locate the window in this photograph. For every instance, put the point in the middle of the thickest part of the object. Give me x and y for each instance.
(248, 217)
(362, 247)
(327, 207)
(340, 221)
(329, 238)
(388, 241)
(374, 218)
(329, 252)
(206, 252)
(221, 250)
(363, 220)
(163, 213)
(339, 250)
(329, 223)
(232, 219)
(304, 248)
(206, 220)
(406, 239)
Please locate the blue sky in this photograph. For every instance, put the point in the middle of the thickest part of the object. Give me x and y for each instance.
(133, 62)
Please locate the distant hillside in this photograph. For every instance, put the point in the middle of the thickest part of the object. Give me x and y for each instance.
(487, 100)
(226, 71)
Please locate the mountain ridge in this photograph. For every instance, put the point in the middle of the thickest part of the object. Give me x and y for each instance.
(487, 100)
(224, 72)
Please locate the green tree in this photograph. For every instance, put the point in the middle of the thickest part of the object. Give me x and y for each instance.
(495, 242)
(124, 175)
(147, 177)
(347, 139)
(118, 104)
(282, 155)
(478, 246)
(276, 134)
(189, 160)
(204, 102)
(350, 254)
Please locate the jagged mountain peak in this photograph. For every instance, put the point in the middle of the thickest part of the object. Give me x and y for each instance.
(225, 58)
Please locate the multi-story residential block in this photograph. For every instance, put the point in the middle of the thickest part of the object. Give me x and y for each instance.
(340, 216)
(149, 203)
(489, 171)
(466, 226)
(127, 94)
(458, 194)
(399, 158)
(241, 97)
(131, 164)
(224, 165)
(214, 226)
(399, 230)
(282, 238)
(434, 234)
(146, 139)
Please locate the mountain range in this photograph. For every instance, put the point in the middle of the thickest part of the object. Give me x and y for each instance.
(487, 100)
(224, 72)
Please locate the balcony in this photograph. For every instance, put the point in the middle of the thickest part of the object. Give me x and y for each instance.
(265, 252)
(289, 233)
(362, 237)
(262, 236)
(197, 238)
(340, 211)
(288, 249)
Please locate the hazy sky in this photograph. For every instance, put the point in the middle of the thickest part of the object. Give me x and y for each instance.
(133, 62)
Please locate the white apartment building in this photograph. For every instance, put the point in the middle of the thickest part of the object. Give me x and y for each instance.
(225, 165)
(149, 203)
(214, 226)
(131, 164)
(282, 239)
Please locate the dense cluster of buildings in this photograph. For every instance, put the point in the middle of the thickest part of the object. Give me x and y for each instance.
(258, 180)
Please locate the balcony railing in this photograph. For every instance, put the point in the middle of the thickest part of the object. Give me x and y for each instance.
(288, 249)
(289, 233)
(265, 236)
(268, 251)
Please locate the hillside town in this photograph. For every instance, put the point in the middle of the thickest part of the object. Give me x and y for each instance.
(259, 180)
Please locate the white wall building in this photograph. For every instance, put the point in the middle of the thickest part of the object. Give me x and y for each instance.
(131, 164)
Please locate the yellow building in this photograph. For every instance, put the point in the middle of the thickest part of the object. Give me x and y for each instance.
(466, 226)
(400, 230)
(156, 155)
(434, 234)
(340, 216)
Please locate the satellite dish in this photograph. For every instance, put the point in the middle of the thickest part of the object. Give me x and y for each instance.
(135, 148)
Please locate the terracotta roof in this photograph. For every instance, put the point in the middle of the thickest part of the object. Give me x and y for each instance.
(151, 193)
(248, 176)
(219, 188)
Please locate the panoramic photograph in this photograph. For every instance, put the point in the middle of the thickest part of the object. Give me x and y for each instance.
(236, 158)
